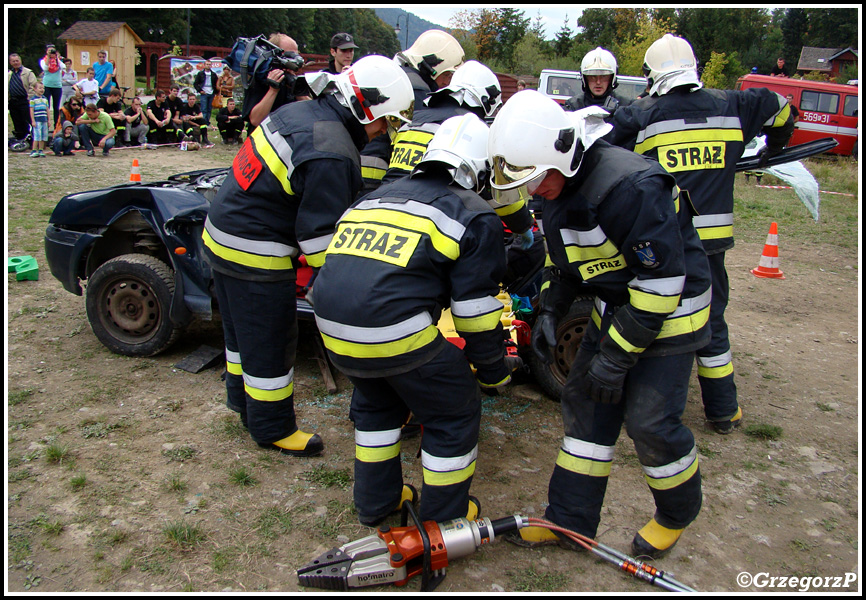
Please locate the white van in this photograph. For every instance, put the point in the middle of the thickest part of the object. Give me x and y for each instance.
(562, 85)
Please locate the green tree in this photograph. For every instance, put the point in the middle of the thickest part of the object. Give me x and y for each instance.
(721, 71)
(630, 54)
(562, 42)
(599, 27)
(513, 25)
(795, 27)
(832, 27)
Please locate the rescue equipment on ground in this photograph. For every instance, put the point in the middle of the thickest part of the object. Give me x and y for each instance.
(396, 554)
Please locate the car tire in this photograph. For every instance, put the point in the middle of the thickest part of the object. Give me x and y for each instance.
(128, 300)
(569, 333)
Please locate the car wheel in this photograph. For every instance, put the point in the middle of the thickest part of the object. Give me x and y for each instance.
(128, 300)
(569, 333)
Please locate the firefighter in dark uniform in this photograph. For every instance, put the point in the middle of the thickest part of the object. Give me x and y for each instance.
(698, 135)
(288, 185)
(473, 88)
(616, 222)
(412, 248)
(429, 63)
(598, 81)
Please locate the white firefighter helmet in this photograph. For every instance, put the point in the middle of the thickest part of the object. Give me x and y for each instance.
(598, 62)
(670, 62)
(433, 53)
(376, 87)
(461, 143)
(532, 135)
(474, 85)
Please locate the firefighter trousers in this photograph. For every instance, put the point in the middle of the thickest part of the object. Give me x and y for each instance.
(715, 366)
(445, 399)
(654, 397)
(261, 334)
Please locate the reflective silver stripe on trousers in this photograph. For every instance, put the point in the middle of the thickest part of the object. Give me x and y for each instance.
(269, 383)
(671, 469)
(445, 465)
(583, 449)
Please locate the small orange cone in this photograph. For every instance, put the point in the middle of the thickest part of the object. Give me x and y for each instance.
(769, 264)
(135, 174)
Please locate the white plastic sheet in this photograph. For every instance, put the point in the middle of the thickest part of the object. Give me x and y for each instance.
(792, 173)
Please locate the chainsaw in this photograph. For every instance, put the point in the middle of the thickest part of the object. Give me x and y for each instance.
(394, 555)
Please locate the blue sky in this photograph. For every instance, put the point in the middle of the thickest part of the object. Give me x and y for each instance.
(552, 17)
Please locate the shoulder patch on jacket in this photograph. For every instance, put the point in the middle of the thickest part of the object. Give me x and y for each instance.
(331, 136)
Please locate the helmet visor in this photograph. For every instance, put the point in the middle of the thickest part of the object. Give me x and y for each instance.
(507, 176)
(509, 197)
(395, 122)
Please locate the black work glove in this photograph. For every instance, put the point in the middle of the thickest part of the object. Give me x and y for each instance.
(605, 379)
(765, 154)
(544, 336)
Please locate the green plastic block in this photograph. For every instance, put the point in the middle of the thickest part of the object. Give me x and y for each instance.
(25, 267)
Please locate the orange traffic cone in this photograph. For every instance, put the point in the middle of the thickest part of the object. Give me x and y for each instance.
(135, 174)
(769, 265)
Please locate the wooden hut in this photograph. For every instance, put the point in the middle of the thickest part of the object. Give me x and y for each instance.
(86, 38)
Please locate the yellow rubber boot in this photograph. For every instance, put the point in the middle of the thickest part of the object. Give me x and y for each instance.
(654, 540)
(474, 509)
(299, 443)
(532, 537)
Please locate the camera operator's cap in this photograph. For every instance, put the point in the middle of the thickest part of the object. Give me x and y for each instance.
(343, 41)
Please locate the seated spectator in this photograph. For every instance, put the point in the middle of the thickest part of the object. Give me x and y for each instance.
(175, 104)
(230, 122)
(88, 88)
(159, 117)
(96, 128)
(193, 121)
(70, 111)
(136, 124)
(113, 106)
(64, 142)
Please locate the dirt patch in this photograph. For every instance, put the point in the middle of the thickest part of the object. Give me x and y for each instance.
(130, 475)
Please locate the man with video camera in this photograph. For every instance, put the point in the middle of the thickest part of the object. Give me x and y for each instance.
(266, 95)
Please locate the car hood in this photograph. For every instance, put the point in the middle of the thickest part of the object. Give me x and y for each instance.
(183, 195)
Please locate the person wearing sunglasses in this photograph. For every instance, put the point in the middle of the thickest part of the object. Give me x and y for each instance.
(70, 111)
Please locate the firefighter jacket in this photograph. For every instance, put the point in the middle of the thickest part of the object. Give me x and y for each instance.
(376, 155)
(398, 257)
(289, 183)
(621, 228)
(698, 136)
(609, 102)
(412, 140)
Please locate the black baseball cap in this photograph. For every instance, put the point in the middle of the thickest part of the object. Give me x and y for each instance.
(343, 41)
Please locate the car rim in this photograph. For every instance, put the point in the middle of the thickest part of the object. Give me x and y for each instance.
(130, 309)
(568, 338)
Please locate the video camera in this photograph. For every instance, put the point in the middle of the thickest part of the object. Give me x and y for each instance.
(256, 57)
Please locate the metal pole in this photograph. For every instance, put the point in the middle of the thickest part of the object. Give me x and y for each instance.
(187, 31)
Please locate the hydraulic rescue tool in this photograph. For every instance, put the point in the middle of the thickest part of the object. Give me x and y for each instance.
(396, 554)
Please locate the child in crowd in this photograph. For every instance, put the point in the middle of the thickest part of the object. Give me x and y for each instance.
(89, 88)
(39, 119)
(64, 143)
